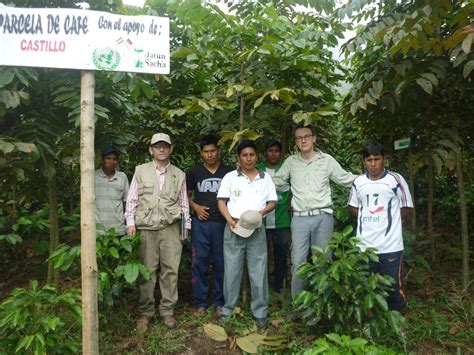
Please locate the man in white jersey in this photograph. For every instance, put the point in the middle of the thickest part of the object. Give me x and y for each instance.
(379, 199)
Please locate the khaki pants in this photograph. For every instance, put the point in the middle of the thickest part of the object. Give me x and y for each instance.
(160, 248)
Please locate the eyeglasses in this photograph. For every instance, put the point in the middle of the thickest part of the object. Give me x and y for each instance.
(305, 137)
(163, 146)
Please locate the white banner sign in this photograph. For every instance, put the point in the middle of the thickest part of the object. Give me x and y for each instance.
(83, 39)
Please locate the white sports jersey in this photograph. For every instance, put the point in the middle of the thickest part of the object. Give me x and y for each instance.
(379, 223)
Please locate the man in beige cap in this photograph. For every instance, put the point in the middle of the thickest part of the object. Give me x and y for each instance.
(156, 203)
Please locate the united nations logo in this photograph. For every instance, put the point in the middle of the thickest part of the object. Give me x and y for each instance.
(106, 58)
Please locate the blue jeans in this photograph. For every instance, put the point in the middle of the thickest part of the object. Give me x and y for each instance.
(207, 243)
(279, 238)
(391, 264)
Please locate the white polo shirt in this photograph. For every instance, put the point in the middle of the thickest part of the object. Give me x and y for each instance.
(243, 195)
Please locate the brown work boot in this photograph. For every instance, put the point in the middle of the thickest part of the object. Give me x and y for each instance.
(169, 321)
(142, 324)
(218, 312)
(200, 312)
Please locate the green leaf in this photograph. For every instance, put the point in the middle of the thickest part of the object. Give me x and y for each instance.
(380, 300)
(467, 42)
(468, 67)
(425, 85)
(114, 252)
(6, 77)
(131, 273)
(25, 343)
(369, 301)
(395, 320)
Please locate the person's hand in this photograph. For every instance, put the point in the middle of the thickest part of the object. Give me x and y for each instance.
(201, 212)
(232, 224)
(131, 231)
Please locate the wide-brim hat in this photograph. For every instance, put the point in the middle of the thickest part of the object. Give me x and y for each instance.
(248, 222)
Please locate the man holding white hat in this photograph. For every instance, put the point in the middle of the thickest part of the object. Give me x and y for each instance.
(245, 196)
(156, 202)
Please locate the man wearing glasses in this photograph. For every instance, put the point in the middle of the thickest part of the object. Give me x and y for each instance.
(156, 201)
(308, 174)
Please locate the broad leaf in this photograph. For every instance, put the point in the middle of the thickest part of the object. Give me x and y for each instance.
(215, 332)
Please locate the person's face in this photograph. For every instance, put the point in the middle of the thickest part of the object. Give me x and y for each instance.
(273, 155)
(304, 139)
(247, 158)
(109, 162)
(161, 151)
(210, 154)
(374, 165)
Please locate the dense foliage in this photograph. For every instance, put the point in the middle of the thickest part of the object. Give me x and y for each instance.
(341, 294)
(255, 70)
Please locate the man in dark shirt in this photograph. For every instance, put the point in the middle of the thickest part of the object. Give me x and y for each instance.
(208, 225)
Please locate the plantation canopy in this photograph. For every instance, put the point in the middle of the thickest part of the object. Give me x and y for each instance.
(83, 39)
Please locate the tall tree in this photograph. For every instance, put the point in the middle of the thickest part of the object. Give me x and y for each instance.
(413, 68)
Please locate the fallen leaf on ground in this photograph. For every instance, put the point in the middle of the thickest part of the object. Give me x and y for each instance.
(215, 332)
(250, 342)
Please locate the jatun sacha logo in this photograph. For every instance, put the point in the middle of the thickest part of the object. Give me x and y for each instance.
(106, 58)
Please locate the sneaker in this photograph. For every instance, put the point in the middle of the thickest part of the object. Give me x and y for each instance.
(218, 312)
(200, 312)
(261, 322)
(169, 321)
(142, 324)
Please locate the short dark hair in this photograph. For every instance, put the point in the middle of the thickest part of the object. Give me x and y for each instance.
(373, 148)
(302, 125)
(246, 143)
(210, 139)
(273, 142)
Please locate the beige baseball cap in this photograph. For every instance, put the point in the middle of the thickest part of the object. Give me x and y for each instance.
(248, 222)
(160, 137)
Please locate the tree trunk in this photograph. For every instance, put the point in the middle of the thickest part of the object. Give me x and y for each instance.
(411, 183)
(90, 320)
(71, 194)
(430, 177)
(464, 221)
(242, 98)
(53, 274)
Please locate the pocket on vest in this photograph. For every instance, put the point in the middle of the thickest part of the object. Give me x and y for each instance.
(144, 189)
(172, 214)
(144, 218)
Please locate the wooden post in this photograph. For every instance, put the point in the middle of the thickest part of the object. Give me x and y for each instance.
(90, 319)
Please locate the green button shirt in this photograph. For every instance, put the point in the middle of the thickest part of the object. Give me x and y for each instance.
(280, 216)
(309, 180)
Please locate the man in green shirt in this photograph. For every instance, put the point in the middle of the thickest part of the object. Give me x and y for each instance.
(308, 173)
(277, 222)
